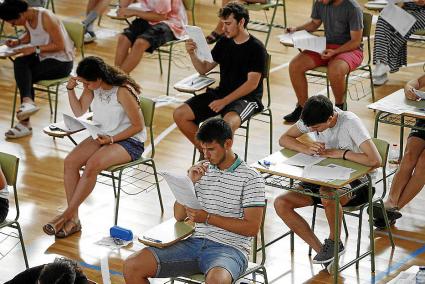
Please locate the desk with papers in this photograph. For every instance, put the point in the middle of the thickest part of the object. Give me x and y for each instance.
(279, 171)
(396, 110)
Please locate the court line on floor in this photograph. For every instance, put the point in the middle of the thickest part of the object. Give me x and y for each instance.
(97, 268)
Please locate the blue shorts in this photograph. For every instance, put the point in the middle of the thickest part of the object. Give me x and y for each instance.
(133, 147)
(198, 255)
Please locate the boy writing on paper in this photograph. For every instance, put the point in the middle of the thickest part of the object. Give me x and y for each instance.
(339, 134)
(232, 197)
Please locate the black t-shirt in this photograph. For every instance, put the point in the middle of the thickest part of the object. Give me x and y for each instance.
(30, 276)
(236, 61)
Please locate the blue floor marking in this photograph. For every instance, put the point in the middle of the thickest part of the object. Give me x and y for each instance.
(96, 267)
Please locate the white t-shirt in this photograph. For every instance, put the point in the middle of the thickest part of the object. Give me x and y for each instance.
(348, 132)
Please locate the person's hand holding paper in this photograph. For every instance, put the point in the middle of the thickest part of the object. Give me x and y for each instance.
(203, 52)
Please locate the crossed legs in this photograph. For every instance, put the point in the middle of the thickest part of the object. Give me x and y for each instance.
(410, 176)
(95, 158)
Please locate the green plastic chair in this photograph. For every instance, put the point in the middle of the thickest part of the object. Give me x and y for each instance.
(266, 27)
(322, 71)
(117, 172)
(383, 148)
(190, 6)
(51, 87)
(253, 269)
(9, 164)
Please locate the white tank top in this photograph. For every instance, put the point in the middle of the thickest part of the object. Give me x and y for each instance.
(39, 36)
(110, 114)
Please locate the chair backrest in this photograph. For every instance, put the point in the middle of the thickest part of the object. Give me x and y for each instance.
(262, 240)
(148, 109)
(266, 76)
(189, 4)
(75, 31)
(383, 148)
(367, 26)
(9, 165)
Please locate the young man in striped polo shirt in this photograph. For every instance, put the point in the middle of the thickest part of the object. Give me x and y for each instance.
(233, 200)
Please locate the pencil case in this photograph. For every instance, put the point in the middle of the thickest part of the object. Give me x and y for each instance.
(121, 233)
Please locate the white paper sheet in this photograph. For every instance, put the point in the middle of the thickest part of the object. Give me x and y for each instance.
(193, 83)
(303, 160)
(202, 50)
(71, 124)
(398, 18)
(182, 188)
(326, 173)
(309, 42)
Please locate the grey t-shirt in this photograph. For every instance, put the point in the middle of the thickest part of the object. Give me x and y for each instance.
(339, 20)
(348, 133)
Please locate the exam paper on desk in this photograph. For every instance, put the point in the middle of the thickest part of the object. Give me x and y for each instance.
(303, 160)
(324, 173)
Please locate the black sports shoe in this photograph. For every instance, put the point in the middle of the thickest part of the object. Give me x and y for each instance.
(380, 223)
(295, 115)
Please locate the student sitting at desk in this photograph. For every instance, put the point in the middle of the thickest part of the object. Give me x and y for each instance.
(390, 47)
(338, 134)
(163, 21)
(232, 197)
(49, 56)
(113, 98)
(343, 24)
(409, 179)
(239, 93)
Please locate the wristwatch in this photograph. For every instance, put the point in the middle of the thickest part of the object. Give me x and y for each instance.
(37, 50)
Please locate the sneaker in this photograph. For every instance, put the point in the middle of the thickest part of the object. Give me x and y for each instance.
(326, 253)
(380, 223)
(392, 213)
(381, 80)
(4, 209)
(295, 115)
(89, 36)
(329, 266)
(380, 70)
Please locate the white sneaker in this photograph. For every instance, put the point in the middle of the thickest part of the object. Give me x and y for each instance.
(89, 36)
(381, 80)
(380, 70)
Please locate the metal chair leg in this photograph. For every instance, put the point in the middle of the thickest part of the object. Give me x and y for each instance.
(313, 224)
(387, 224)
(157, 186)
(14, 107)
(21, 239)
(359, 236)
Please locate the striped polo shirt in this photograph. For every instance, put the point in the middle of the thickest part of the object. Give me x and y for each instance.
(227, 193)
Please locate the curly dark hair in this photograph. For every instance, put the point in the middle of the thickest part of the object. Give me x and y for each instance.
(62, 271)
(92, 68)
(238, 11)
(11, 9)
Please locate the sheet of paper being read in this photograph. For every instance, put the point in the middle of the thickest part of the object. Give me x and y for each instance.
(398, 18)
(182, 188)
(309, 42)
(202, 50)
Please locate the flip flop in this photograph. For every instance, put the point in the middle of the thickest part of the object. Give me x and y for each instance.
(213, 37)
(50, 228)
(63, 233)
(18, 131)
(26, 110)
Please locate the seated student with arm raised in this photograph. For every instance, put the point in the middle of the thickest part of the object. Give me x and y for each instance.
(232, 197)
(113, 97)
(339, 134)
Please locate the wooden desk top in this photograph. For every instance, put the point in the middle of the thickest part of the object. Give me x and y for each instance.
(396, 103)
(280, 169)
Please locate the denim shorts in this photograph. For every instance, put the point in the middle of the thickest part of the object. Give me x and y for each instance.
(133, 147)
(198, 255)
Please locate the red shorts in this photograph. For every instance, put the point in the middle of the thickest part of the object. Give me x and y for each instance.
(353, 58)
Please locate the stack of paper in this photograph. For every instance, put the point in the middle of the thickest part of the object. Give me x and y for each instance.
(182, 188)
(303, 160)
(194, 83)
(327, 173)
(304, 40)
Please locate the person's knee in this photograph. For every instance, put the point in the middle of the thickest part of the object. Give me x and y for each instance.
(337, 71)
(296, 66)
(218, 276)
(140, 265)
(182, 114)
(71, 163)
(326, 202)
(234, 120)
(93, 167)
(123, 40)
(283, 205)
(141, 44)
(410, 159)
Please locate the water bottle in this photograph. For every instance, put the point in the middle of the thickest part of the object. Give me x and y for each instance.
(394, 156)
(420, 276)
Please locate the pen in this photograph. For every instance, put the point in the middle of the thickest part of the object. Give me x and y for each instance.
(152, 240)
(264, 163)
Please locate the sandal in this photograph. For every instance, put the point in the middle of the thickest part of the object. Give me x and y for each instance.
(18, 131)
(26, 110)
(63, 233)
(213, 37)
(52, 227)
